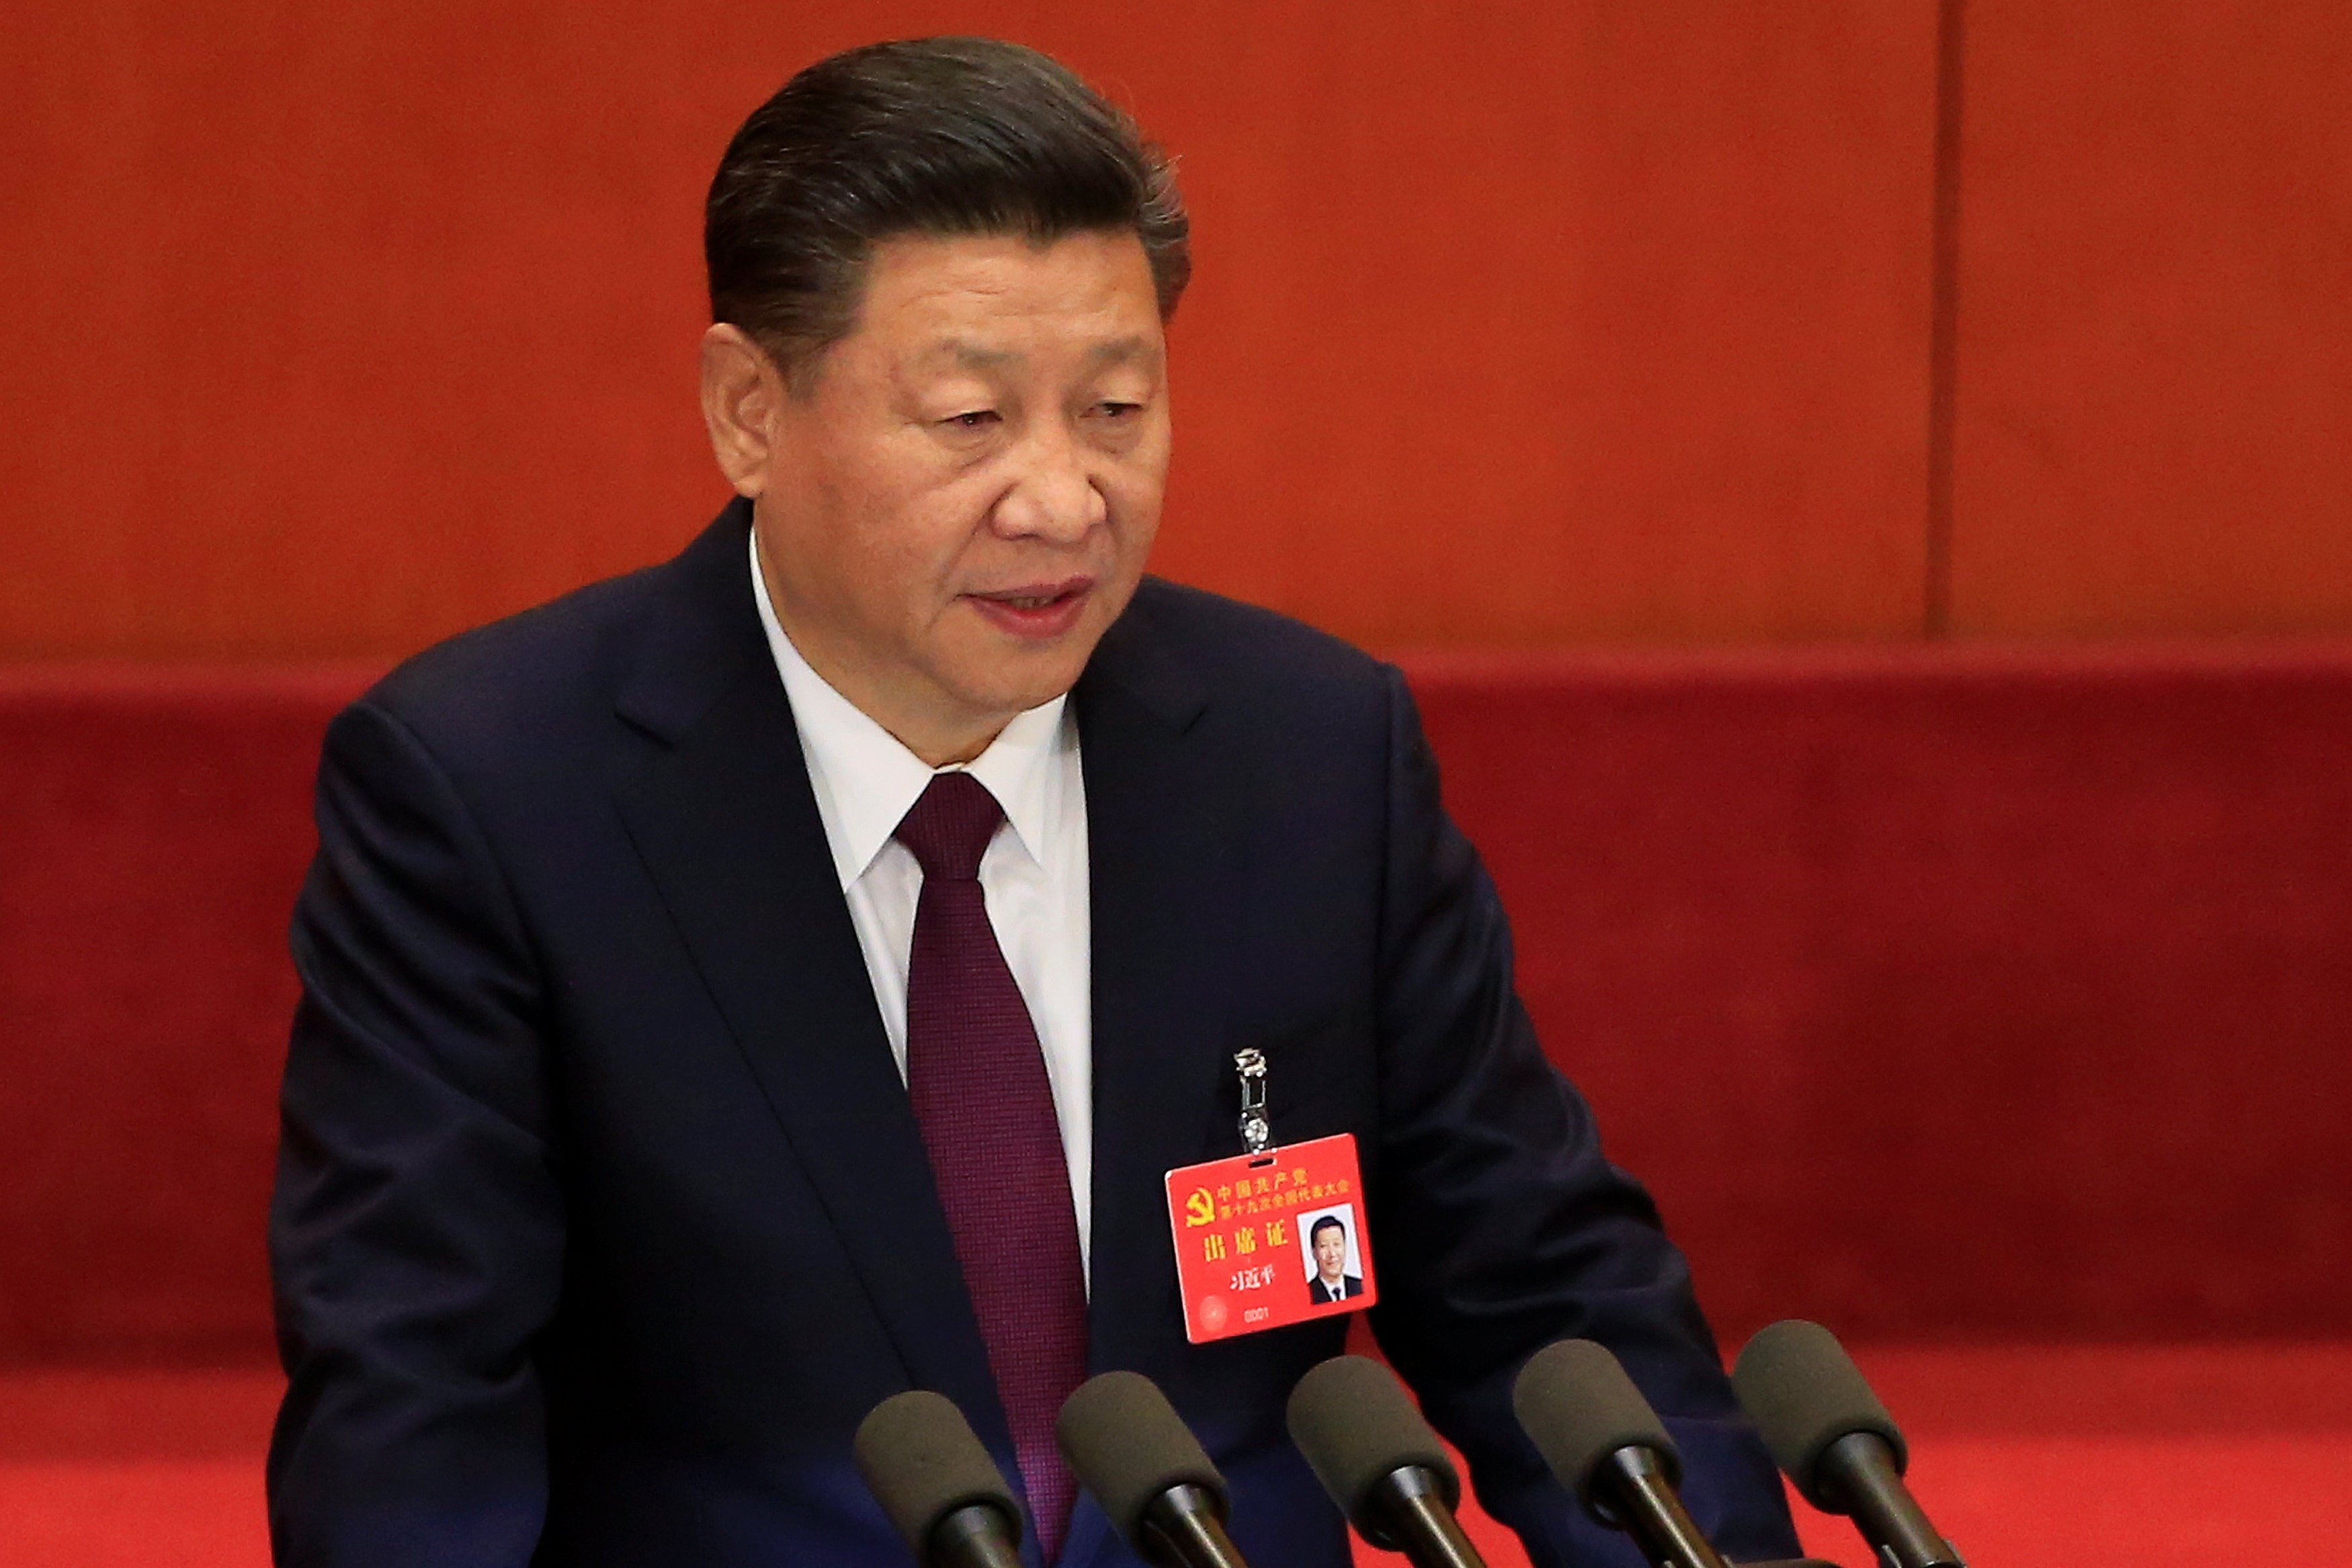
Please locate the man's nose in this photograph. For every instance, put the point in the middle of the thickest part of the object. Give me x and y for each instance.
(1052, 496)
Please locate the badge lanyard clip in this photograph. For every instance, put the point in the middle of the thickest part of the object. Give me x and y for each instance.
(1257, 1133)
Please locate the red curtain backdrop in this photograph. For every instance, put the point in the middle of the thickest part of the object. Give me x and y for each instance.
(1933, 993)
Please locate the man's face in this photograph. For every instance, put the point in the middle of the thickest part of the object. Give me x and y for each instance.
(1330, 1251)
(960, 503)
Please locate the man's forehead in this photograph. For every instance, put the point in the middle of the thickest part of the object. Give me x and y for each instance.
(938, 281)
(960, 351)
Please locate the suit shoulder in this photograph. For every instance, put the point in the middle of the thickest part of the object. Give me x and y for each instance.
(1248, 648)
(525, 675)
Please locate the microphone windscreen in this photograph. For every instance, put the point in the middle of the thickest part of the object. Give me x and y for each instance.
(921, 1462)
(1804, 1393)
(1576, 1402)
(1127, 1446)
(1357, 1425)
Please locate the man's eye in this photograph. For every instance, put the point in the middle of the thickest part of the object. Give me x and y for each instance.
(1118, 410)
(973, 419)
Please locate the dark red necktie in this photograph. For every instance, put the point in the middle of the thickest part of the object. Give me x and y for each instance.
(978, 1082)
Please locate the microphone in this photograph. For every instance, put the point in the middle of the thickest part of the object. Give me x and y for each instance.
(1380, 1461)
(936, 1483)
(1127, 1446)
(1835, 1440)
(1608, 1446)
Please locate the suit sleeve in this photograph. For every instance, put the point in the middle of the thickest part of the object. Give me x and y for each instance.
(417, 1232)
(1503, 1228)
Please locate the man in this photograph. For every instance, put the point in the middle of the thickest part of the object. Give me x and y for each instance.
(1330, 1281)
(740, 991)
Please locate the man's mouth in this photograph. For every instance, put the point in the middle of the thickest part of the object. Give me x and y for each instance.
(1035, 610)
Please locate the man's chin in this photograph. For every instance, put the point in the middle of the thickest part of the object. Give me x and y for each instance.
(1007, 693)
(1013, 676)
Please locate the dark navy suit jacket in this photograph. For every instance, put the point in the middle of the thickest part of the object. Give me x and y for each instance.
(602, 1218)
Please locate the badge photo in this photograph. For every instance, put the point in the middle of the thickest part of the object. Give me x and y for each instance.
(1335, 1269)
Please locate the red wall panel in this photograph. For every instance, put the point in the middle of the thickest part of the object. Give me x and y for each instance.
(2155, 313)
(335, 329)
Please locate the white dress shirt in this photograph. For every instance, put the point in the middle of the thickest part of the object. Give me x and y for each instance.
(1032, 876)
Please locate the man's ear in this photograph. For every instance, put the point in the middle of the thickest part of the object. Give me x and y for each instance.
(742, 395)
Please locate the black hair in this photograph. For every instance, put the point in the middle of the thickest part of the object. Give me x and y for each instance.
(927, 136)
(1332, 1221)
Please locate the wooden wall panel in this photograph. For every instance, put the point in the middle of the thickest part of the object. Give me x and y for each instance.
(2155, 312)
(335, 329)
(1531, 323)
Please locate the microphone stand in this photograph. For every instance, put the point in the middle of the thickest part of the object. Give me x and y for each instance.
(1415, 1511)
(1183, 1524)
(1653, 1513)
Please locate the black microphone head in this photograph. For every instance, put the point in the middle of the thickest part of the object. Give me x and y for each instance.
(1357, 1425)
(921, 1462)
(1804, 1393)
(1127, 1446)
(1576, 1402)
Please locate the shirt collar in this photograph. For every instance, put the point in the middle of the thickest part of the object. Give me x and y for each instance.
(865, 780)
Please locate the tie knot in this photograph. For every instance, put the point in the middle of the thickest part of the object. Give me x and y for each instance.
(949, 825)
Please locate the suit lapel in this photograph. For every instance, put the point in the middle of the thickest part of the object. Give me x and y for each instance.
(727, 824)
(1163, 883)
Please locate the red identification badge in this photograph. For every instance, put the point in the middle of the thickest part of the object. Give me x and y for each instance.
(1267, 1239)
